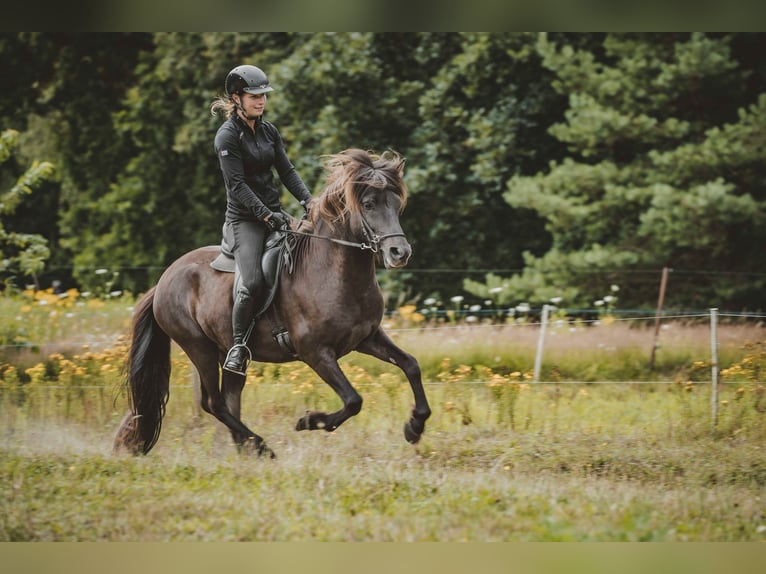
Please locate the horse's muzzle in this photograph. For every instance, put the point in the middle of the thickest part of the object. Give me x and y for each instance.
(396, 253)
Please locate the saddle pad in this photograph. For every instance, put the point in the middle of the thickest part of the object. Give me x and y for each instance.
(223, 263)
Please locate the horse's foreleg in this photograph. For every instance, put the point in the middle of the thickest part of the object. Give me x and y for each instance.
(379, 345)
(330, 372)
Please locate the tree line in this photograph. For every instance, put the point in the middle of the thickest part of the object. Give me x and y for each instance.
(540, 166)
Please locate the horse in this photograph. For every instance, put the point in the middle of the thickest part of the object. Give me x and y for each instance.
(328, 300)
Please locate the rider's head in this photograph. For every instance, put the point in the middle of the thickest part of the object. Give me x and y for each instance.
(241, 80)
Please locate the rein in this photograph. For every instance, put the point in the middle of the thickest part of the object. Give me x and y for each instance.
(369, 234)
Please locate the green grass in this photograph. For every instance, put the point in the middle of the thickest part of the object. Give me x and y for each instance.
(584, 463)
(503, 459)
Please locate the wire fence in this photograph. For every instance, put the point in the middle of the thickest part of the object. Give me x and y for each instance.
(495, 320)
(485, 319)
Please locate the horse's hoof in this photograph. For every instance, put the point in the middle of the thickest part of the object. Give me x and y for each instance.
(314, 421)
(253, 444)
(410, 435)
(263, 450)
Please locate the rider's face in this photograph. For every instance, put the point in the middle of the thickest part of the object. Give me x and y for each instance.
(253, 104)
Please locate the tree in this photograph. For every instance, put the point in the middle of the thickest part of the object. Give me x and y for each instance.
(66, 87)
(338, 91)
(481, 121)
(24, 254)
(569, 155)
(665, 166)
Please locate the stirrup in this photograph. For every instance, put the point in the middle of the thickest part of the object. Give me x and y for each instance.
(230, 365)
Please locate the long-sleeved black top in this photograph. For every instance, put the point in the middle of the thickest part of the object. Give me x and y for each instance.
(247, 159)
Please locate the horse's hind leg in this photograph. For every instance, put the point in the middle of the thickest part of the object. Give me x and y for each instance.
(225, 405)
(232, 385)
(381, 346)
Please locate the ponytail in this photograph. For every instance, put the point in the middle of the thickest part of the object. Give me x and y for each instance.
(224, 104)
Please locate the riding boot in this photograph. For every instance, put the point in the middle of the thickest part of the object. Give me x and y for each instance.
(239, 354)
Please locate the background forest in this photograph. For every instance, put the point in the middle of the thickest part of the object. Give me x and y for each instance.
(540, 166)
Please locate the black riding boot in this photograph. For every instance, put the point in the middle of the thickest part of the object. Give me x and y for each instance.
(241, 315)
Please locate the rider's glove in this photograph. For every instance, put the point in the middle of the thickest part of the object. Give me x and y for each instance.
(305, 204)
(277, 220)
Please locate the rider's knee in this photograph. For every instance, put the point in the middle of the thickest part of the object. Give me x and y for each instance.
(249, 288)
(243, 292)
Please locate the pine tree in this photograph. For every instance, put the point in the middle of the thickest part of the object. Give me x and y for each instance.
(665, 166)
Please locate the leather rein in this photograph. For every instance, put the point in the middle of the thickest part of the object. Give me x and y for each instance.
(373, 239)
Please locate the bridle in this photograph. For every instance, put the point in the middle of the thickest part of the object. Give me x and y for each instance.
(370, 235)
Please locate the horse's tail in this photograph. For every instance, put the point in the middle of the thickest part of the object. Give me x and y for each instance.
(148, 380)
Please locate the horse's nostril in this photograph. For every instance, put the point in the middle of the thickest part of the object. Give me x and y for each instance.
(399, 254)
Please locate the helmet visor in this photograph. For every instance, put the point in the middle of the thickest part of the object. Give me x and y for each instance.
(255, 90)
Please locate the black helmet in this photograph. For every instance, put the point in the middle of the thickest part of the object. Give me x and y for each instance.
(247, 79)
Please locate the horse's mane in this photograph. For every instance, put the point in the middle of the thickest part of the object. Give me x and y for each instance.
(349, 173)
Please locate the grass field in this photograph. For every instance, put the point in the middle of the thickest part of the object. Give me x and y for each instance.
(503, 459)
(582, 463)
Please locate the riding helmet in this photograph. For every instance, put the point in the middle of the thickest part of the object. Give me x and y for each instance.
(247, 79)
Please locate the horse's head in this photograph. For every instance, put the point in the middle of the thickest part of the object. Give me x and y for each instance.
(365, 195)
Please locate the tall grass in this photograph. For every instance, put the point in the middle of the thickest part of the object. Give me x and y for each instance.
(619, 351)
(34, 325)
(584, 462)
(502, 458)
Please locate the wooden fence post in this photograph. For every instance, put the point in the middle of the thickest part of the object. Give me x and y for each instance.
(660, 303)
(714, 362)
(541, 342)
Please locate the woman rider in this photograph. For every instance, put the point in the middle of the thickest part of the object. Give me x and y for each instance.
(248, 147)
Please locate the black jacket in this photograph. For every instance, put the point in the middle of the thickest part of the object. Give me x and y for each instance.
(247, 160)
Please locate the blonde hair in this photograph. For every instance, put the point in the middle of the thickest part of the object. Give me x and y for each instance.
(222, 103)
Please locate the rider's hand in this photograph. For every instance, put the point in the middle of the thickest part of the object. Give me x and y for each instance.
(305, 205)
(277, 220)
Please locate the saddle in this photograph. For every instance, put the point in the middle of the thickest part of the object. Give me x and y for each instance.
(271, 264)
(276, 254)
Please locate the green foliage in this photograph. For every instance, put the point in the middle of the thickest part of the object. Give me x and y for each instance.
(662, 169)
(480, 115)
(579, 160)
(24, 254)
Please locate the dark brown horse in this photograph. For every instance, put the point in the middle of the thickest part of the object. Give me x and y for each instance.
(328, 299)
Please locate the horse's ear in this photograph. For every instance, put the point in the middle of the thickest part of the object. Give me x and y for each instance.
(396, 161)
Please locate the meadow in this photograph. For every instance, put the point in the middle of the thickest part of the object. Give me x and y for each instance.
(602, 450)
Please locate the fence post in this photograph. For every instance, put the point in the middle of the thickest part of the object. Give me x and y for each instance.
(541, 342)
(660, 302)
(714, 362)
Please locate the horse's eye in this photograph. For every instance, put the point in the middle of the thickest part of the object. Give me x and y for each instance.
(368, 205)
